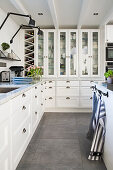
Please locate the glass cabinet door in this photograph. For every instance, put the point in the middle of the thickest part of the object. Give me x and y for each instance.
(95, 52)
(62, 53)
(41, 51)
(85, 58)
(51, 53)
(73, 54)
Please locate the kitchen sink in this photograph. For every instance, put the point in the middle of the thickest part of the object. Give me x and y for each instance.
(7, 89)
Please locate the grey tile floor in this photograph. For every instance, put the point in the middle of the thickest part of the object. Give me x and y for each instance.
(60, 143)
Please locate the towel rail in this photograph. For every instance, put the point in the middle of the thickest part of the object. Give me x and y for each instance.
(100, 92)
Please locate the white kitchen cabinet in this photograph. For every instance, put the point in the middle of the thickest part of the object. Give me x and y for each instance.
(5, 142)
(89, 53)
(47, 52)
(67, 53)
(109, 33)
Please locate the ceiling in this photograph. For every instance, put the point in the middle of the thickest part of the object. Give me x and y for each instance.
(62, 13)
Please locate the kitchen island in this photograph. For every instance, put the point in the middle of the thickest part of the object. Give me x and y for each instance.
(108, 146)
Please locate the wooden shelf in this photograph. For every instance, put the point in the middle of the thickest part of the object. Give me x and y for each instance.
(3, 57)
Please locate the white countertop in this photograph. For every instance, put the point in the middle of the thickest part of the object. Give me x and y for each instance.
(4, 97)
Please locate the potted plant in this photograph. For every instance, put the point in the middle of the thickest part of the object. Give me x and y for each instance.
(35, 72)
(109, 76)
(5, 47)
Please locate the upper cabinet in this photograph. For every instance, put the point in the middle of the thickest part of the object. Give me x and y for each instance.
(67, 53)
(64, 52)
(89, 53)
(46, 53)
(109, 33)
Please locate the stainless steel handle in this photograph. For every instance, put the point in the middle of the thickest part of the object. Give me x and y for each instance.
(35, 87)
(50, 87)
(50, 98)
(67, 97)
(67, 87)
(23, 95)
(35, 113)
(23, 108)
(35, 96)
(24, 130)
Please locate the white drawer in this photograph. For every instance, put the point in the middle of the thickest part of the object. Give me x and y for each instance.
(50, 102)
(20, 116)
(67, 102)
(50, 91)
(50, 83)
(67, 83)
(85, 103)
(4, 137)
(4, 111)
(20, 100)
(65, 91)
(85, 91)
(20, 141)
(85, 83)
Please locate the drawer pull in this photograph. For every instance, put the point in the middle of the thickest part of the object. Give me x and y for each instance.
(50, 98)
(35, 96)
(24, 130)
(91, 98)
(67, 97)
(41, 104)
(35, 87)
(45, 82)
(67, 81)
(45, 99)
(50, 81)
(41, 90)
(50, 87)
(23, 108)
(67, 87)
(35, 113)
(23, 95)
(41, 84)
(91, 81)
(45, 88)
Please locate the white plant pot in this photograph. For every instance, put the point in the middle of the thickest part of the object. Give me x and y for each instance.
(110, 80)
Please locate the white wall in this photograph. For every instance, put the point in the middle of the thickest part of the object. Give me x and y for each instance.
(6, 33)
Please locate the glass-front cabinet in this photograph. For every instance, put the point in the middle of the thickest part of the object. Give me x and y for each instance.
(51, 53)
(73, 53)
(68, 53)
(89, 53)
(46, 52)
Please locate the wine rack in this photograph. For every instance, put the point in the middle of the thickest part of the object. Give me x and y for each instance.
(29, 49)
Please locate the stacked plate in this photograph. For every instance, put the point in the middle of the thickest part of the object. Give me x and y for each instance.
(22, 80)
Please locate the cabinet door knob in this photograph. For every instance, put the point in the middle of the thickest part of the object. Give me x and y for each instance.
(41, 90)
(35, 87)
(41, 104)
(67, 87)
(45, 99)
(24, 130)
(35, 96)
(23, 95)
(91, 98)
(91, 81)
(41, 84)
(50, 98)
(35, 113)
(23, 108)
(50, 87)
(50, 81)
(45, 82)
(67, 81)
(67, 97)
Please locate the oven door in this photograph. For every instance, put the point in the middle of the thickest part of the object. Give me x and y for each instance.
(109, 53)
